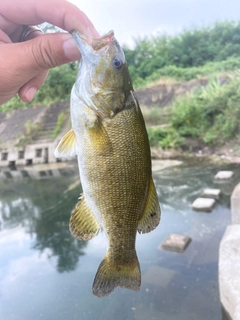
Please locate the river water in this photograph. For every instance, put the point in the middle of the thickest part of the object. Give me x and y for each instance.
(47, 274)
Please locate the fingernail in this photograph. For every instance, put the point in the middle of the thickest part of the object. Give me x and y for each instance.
(30, 94)
(70, 48)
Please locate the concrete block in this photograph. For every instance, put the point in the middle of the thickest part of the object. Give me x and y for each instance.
(175, 242)
(235, 205)
(223, 175)
(203, 204)
(211, 193)
(229, 271)
(158, 276)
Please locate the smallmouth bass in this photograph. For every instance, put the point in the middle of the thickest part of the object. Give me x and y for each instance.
(109, 137)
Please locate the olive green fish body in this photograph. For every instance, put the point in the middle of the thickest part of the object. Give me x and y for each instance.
(112, 146)
(118, 178)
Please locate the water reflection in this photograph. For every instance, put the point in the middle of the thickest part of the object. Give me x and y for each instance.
(51, 229)
(41, 171)
(44, 214)
(47, 274)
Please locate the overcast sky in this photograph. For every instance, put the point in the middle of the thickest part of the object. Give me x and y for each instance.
(133, 18)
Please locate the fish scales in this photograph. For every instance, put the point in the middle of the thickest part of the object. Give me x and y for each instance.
(109, 137)
(119, 181)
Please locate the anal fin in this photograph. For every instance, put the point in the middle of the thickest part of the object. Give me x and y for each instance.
(152, 212)
(83, 224)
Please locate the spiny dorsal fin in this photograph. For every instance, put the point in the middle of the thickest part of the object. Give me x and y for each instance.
(152, 212)
(83, 224)
(67, 147)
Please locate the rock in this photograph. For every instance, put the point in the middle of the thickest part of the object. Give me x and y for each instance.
(229, 271)
(158, 276)
(223, 175)
(158, 165)
(175, 242)
(211, 193)
(203, 204)
(235, 205)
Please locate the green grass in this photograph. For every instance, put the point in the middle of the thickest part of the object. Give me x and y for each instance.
(61, 119)
(218, 68)
(210, 114)
(154, 115)
(164, 137)
(31, 130)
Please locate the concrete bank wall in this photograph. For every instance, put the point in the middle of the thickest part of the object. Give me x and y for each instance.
(31, 154)
(229, 261)
(235, 205)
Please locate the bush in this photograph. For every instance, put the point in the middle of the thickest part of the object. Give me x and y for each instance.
(164, 137)
(192, 53)
(211, 114)
(186, 74)
(60, 122)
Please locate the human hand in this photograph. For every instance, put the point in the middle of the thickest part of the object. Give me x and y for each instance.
(24, 65)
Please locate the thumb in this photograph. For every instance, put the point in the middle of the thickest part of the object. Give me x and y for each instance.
(26, 63)
(51, 50)
(47, 51)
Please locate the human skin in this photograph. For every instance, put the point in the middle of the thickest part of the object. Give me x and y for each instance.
(24, 65)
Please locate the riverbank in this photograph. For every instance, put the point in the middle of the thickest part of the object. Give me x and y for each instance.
(228, 153)
(31, 135)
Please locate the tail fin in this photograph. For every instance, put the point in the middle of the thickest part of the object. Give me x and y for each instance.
(111, 275)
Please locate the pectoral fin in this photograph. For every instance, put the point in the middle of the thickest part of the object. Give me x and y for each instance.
(152, 212)
(67, 147)
(98, 138)
(83, 224)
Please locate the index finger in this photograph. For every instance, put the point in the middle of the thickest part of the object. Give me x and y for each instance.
(60, 13)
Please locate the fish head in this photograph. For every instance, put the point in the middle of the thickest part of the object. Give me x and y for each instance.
(103, 80)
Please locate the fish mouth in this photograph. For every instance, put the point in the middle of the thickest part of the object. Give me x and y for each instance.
(94, 43)
(106, 40)
(96, 69)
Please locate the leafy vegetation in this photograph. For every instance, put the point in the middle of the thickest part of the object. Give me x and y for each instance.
(210, 114)
(192, 53)
(60, 121)
(155, 116)
(31, 131)
(166, 137)
(184, 74)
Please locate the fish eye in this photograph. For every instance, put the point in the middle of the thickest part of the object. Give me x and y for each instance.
(118, 63)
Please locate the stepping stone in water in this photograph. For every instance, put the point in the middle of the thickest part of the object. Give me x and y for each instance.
(175, 242)
(223, 175)
(211, 193)
(158, 276)
(203, 204)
